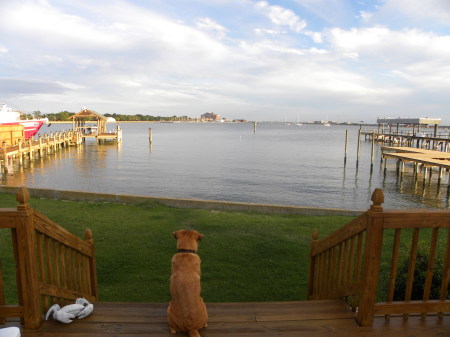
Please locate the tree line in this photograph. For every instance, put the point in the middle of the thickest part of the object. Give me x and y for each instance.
(64, 116)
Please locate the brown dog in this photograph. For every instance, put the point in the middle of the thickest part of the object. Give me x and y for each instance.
(187, 311)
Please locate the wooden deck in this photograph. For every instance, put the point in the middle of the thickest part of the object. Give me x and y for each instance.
(427, 158)
(322, 318)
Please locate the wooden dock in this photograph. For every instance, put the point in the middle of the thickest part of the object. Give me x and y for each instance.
(322, 318)
(420, 158)
(36, 147)
(428, 141)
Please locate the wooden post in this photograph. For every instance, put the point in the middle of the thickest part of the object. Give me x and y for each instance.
(372, 152)
(312, 264)
(359, 147)
(150, 135)
(92, 264)
(26, 249)
(346, 146)
(30, 144)
(20, 152)
(372, 257)
(254, 127)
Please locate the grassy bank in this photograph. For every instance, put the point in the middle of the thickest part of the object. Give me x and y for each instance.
(245, 256)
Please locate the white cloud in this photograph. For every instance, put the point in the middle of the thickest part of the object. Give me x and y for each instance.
(209, 25)
(421, 13)
(282, 17)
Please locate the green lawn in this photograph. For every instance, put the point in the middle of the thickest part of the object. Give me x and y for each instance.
(245, 256)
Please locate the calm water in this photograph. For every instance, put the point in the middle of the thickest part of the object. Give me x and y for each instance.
(279, 164)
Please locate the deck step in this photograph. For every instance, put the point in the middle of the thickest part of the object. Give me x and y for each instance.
(307, 318)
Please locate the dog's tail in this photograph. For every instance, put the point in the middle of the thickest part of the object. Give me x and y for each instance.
(194, 333)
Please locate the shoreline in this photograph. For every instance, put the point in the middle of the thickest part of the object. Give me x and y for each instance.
(181, 203)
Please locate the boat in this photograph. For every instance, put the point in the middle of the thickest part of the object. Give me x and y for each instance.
(8, 116)
(298, 121)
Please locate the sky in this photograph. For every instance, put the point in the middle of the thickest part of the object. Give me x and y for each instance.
(337, 60)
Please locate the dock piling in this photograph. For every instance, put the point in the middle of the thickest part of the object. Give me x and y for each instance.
(372, 151)
(359, 147)
(346, 146)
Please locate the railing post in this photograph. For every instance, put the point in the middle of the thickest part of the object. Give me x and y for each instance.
(92, 265)
(312, 264)
(372, 257)
(26, 251)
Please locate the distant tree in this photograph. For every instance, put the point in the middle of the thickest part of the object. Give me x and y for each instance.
(37, 114)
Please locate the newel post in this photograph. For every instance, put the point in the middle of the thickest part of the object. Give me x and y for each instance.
(92, 266)
(26, 260)
(312, 264)
(372, 257)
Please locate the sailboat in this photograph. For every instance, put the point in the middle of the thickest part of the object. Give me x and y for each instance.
(298, 121)
(326, 122)
(286, 123)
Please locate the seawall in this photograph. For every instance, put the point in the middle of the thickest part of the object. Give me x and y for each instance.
(182, 203)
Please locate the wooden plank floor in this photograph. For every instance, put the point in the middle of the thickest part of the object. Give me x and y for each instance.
(427, 157)
(308, 318)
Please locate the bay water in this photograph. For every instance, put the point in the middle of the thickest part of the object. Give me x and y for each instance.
(277, 164)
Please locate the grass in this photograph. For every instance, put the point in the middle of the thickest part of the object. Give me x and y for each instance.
(245, 256)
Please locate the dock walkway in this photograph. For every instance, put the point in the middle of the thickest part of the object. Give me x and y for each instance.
(40, 146)
(320, 318)
(424, 140)
(428, 159)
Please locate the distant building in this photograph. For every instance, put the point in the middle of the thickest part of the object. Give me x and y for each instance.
(210, 117)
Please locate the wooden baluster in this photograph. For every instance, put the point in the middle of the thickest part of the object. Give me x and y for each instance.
(350, 266)
(312, 265)
(92, 265)
(62, 263)
(2, 293)
(394, 263)
(41, 266)
(340, 276)
(445, 272)
(430, 267)
(411, 267)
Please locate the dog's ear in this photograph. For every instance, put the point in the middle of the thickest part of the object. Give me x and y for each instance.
(199, 236)
(174, 234)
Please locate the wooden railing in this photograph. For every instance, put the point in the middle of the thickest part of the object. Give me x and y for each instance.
(362, 261)
(51, 263)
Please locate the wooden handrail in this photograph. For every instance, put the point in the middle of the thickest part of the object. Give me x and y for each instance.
(51, 263)
(346, 264)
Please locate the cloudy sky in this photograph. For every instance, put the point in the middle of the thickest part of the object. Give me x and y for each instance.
(345, 60)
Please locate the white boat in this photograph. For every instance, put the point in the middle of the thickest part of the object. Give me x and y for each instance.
(9, 116)
(298, 121)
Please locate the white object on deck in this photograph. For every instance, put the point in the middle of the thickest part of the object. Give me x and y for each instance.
(10, 332)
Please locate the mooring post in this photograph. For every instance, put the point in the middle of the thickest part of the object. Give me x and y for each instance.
(346, 146)
(372, 152)
(254, 127)
(150, 135)
(359, 146)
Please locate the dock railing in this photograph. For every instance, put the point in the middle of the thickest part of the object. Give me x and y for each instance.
(52, 264)
(375, 263)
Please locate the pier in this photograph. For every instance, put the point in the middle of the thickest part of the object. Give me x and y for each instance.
(440, 142)
(23, 150)
(92, 124)
(411, 132)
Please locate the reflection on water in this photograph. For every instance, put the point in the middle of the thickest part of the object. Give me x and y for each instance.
(278, 164)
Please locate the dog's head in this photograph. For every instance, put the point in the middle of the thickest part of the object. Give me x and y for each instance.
(187, 239)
